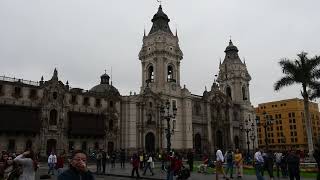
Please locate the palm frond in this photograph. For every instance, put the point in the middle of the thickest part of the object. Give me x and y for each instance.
(283, 82)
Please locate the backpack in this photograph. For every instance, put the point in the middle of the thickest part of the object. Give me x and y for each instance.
(229, 157)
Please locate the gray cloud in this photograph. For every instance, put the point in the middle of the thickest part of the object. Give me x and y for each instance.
(82, 38)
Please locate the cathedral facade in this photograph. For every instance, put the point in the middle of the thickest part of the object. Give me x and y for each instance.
(50, 116)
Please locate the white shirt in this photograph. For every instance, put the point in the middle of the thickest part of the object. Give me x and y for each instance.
(27, 168)
(219, 155)
(150, 159)
(258, 157)
(52, 159)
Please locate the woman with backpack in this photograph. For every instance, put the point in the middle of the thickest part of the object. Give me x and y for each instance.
(29, 165)
(229, 157)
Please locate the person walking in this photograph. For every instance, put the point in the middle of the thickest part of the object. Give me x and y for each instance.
(269, 161)
(135, 161)
(229, 157)
(99, 161)
(78, 168)
(141, 160)
(316, 155)
(52, 161)
(294, 165)
(104, 161)
(259, 163)
(219, 164)
(148, 165)
(239, 163)
(122, 158)
(29, 166)
(190, 160)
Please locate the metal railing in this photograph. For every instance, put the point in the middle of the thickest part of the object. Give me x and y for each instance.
(10, 79)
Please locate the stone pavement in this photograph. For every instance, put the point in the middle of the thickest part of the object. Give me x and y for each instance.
(124, 174)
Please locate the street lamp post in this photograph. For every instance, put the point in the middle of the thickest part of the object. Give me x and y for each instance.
(166, 115)
(265, 124)
(253, 138)
(247, 129)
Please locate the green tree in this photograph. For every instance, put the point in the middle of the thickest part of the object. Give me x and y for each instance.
(306, 72)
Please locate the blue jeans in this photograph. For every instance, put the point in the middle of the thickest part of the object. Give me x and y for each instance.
(258, 168)
(170, 175)
(229, 167)
(51, 168)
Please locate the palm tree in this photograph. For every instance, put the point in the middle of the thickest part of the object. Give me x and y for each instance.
(306, 72)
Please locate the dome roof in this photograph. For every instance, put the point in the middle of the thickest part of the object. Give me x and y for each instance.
(104, 86)
(231, 47)
(106, 89)
(160, 22)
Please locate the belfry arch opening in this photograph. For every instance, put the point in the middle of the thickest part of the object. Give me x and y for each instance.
(228, 92)
(244, 93)
(150, 77)
(170, 74)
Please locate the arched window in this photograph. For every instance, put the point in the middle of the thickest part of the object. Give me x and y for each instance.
(228, 92)
(150, 74)
(53, 117)
(170, 75)
(244, 93)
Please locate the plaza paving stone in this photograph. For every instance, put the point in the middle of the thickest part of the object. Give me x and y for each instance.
(124, 174)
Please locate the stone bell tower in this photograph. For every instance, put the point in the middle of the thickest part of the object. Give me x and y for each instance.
(160, 56)
(234, 77)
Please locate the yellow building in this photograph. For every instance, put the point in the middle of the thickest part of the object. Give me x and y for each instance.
(285, 125)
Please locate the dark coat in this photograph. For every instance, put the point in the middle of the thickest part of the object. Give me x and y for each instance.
(293, 161)
(73, 174)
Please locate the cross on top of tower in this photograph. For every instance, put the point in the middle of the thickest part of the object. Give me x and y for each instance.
(159, 1)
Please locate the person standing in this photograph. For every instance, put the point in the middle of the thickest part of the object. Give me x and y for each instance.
(259, 163)
(99, 161)
(171, 169)
(60, 163)
(135, 165)
(113, 159)
(29, 165)
(104, 161)
(229, 157)
(52, 161)
(284, 164)
(239, 163)
(294, 165)
(11, 172)
(78, 168)
(278, 157)
(316, 155)
(190, 160)
(219, 164)
(122, 158)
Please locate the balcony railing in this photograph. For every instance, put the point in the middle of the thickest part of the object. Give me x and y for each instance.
(10, 79)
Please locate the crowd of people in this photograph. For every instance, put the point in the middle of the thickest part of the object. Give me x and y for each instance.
(18, 167)
(286, 164)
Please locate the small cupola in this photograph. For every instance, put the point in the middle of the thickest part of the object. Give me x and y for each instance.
(105, 78)
(160, 22)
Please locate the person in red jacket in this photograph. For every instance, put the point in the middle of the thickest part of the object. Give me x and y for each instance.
(60, 163)
(135, 165)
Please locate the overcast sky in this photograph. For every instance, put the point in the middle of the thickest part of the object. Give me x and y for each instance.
(83, 37)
